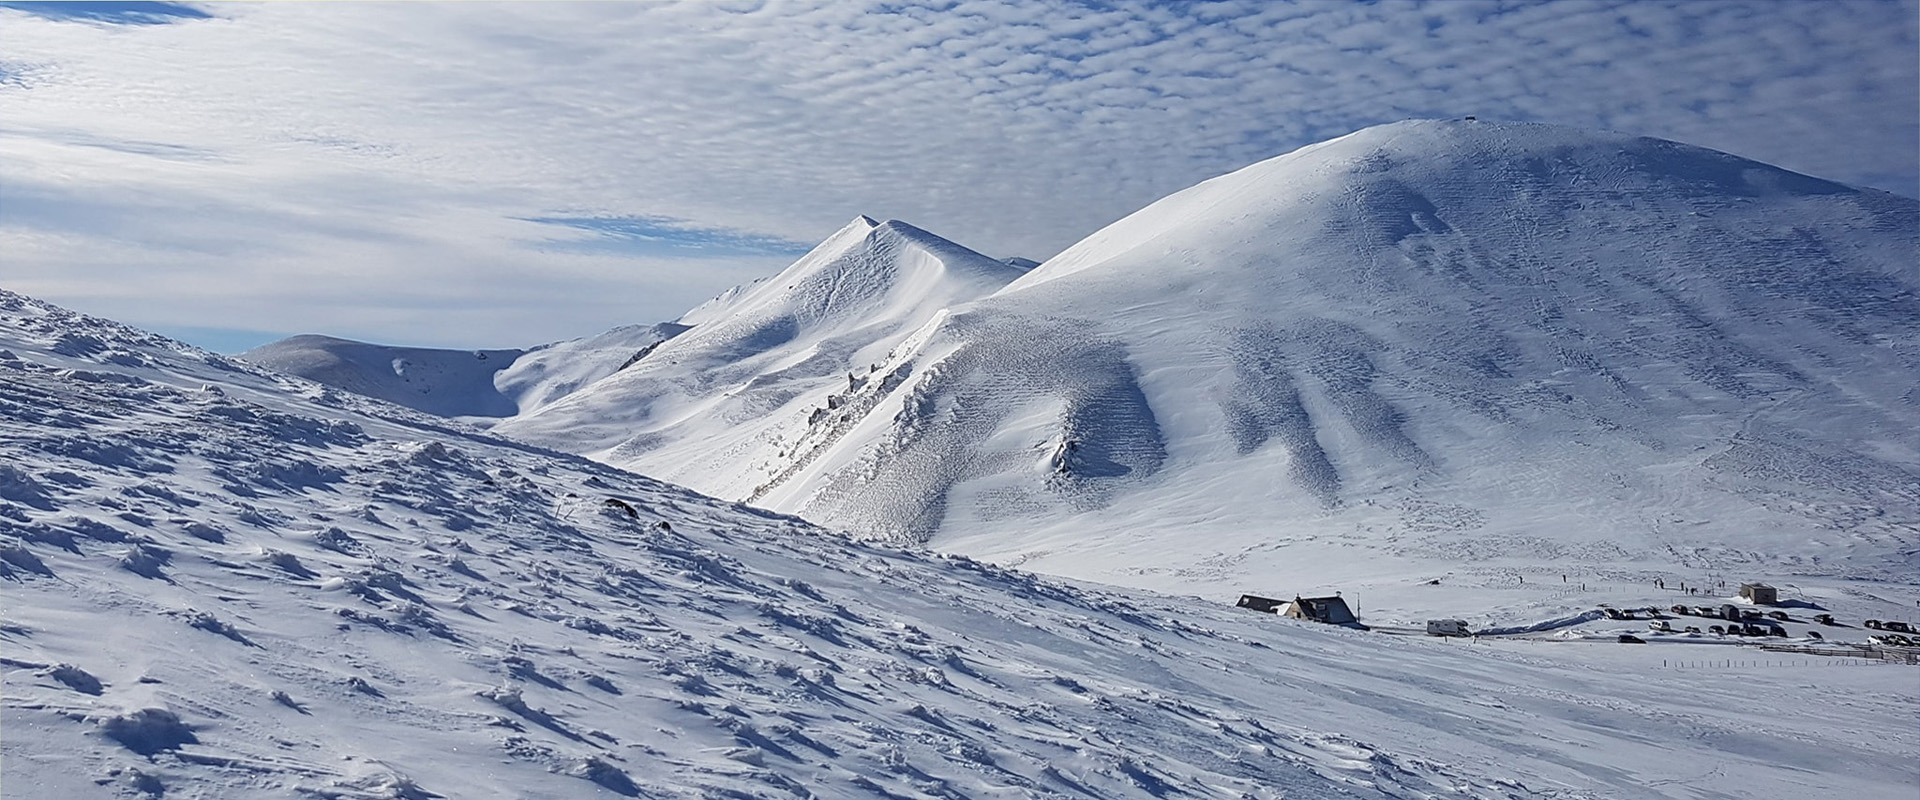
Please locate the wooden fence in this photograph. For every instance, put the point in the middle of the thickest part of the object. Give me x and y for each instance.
(1896, 655)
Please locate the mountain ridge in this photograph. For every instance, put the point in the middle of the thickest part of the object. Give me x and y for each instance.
(757, 363)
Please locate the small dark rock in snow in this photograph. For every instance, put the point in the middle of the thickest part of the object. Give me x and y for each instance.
(287, 700)
(607, 775)
(148, 731)
(146, 561)
(339, 541)
(397, 787)
(204, 532)
(145, 784)
(288, 562)
(212, 624)
(76, 679)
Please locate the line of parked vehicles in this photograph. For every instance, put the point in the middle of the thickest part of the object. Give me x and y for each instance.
(1739, 622)
(1899, 634)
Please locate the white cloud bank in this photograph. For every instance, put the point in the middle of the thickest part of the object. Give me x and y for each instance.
(373, 170)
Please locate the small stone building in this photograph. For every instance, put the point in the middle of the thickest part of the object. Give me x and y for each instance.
(1759, 594)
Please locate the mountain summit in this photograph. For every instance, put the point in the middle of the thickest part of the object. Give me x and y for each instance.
(710, 407)
(1440, 341)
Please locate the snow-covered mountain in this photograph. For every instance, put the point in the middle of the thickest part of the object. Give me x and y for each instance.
(221, 582)
(715, 407)
(1423, 348)
(461, 383)
(450, 383)
(1435, 348)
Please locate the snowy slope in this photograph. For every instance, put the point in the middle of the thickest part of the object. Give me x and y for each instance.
(711, 408)
(449, 383)
(1424, 348)
(461, 383)
(224, 583)
(547, 373)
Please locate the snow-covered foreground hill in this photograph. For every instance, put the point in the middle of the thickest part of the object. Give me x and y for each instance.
(220, 583)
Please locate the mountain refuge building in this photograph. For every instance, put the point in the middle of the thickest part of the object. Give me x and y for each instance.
(1328, 610)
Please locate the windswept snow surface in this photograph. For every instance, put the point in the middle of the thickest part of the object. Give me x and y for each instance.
(221, 583)
(549, 373)
(1433, 347)
(711, 408)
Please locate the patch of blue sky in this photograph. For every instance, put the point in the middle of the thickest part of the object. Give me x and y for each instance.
(226, 341)
(649, 235)
(117, 12)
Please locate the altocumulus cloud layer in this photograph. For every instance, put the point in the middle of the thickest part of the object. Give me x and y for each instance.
(508, 174)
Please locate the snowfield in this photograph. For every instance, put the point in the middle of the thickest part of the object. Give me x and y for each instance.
(220, 582)
(1464, 347)
(1493, 352)
(957, 527)
(1505, 354)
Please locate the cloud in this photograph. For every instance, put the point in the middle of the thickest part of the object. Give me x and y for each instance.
(417, 153)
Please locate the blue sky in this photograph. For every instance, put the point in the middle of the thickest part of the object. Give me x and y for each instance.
(493, 175)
